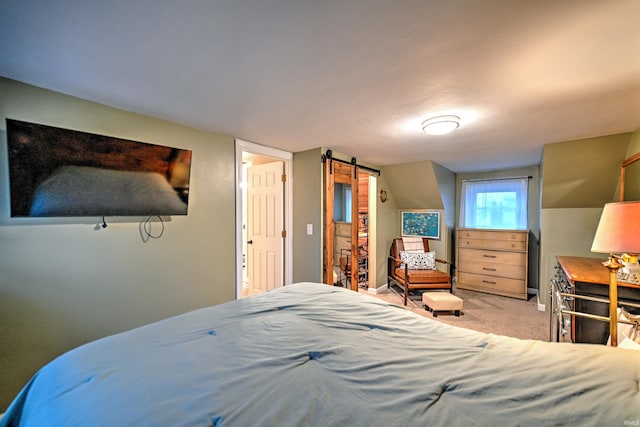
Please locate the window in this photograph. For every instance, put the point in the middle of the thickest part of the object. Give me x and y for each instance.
(347, 203)
(500, 204)
(342, 202)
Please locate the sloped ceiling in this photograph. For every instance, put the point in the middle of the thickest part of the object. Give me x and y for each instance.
(414, 185)
(583, 173)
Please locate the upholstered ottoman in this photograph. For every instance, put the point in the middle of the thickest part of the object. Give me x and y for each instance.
(441, 301)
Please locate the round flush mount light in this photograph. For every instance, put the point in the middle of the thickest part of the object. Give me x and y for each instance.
(440, 125)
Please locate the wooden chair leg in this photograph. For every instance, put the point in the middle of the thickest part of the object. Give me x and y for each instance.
(406, 292)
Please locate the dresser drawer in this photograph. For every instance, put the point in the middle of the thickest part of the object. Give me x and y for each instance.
(482, 256)
(492, 269)
(343, 229)
(513, 236)
(343, 242)
(503, 245)
(498, 285)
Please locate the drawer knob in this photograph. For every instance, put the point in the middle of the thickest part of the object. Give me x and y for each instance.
(489, 256)
(488, 269)
(489, 282)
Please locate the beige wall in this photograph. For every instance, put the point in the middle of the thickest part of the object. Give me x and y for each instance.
(64, 282)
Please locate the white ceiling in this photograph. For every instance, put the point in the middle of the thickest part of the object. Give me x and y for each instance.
(352, 75)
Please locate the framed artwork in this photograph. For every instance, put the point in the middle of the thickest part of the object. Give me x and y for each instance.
(420, 223)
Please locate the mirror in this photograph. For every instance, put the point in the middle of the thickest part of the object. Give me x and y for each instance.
(342, 203)
(630, 179)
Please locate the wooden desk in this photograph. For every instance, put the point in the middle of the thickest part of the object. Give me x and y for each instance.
(588, 270)
(587, 276)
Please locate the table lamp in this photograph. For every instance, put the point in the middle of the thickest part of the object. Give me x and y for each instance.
(618, 233)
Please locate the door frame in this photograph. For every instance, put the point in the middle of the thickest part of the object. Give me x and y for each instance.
(242, 146)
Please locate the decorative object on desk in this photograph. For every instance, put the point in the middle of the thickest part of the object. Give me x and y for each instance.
(420, 223)
(618, 233)
(630, 272)
(628, 329)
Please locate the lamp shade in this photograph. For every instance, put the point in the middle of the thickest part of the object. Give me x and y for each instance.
(619, 229)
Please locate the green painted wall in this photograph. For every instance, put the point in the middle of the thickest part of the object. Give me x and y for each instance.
(632, 172)
(447, 186)
(414, 185)
(446, 180)
(567, 231)
(386, 228)
(579, 177)
(307, 209)
(582, 173)
(66, 282)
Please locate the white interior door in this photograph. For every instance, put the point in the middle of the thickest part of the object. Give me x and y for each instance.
(265, 241)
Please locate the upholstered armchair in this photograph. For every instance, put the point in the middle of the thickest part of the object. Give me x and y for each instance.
(416, 273)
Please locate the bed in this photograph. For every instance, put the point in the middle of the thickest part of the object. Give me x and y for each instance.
(310, 354)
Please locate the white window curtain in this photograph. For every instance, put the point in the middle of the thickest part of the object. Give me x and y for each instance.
(500, 204)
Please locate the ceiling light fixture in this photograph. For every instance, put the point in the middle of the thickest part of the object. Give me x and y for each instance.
(440, 125)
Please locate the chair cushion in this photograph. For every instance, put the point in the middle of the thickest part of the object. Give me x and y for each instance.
(413, 244)
(424, 276)
(419, 261)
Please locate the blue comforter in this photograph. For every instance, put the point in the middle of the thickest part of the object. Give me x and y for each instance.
(314, 355)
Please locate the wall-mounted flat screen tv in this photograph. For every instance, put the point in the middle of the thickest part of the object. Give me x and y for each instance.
(56, 172)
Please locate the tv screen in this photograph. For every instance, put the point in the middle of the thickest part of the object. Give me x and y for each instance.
(56, 172)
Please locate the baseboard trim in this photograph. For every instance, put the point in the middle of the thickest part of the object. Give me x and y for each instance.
(378, 290)
(541, 306)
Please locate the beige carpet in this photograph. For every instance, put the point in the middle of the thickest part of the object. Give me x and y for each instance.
(484, 312)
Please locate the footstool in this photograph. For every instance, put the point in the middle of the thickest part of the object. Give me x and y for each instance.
(441, 301)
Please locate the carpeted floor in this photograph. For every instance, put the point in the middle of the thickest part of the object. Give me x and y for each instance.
(484, 312)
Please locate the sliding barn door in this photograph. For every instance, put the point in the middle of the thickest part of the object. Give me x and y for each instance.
(340, 173)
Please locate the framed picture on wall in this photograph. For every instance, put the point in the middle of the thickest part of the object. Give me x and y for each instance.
(420, 223)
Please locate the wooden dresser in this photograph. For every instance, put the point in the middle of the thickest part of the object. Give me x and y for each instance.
(493, 261)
